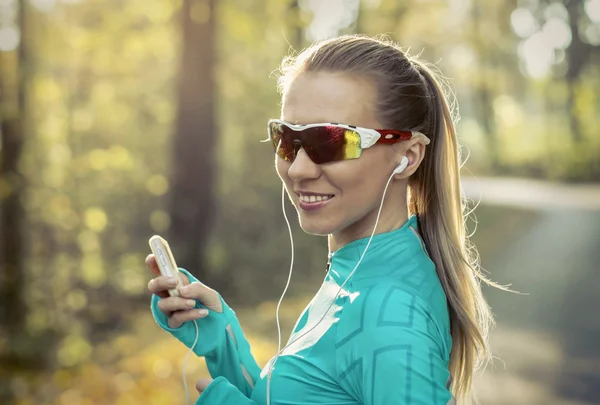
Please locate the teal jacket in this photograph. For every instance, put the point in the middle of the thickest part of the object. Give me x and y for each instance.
(385, 340)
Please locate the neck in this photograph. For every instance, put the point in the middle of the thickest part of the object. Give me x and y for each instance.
(393, 215)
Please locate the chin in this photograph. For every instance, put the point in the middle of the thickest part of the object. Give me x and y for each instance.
(316, 227)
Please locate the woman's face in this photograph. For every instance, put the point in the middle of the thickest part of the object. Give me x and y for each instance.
(356, 185)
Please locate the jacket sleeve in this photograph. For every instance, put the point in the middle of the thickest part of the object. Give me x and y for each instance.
(221, 342)
(221, 391)
(396, 354)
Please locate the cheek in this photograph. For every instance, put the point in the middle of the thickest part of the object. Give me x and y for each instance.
(352, 183)
(282, 167)
(363, 174)
(361, 184)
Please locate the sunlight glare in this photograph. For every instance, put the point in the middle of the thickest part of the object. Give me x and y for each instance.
(330, 17)
(556, 10)
(462, 56)
(372, 4)
(557, 33)
(9, 38)
(538, 55)
(592, 35)
(523, 23)
(459, 9)
(44, 6)
(592, 9)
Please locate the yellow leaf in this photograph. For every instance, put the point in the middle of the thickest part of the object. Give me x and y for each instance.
(47, 90)
(162, 368)
(160, 220)
(62, 379)
(58, 154)
(103, 92)
(76, 299)
(92, 270)
(95, 219)
(98, 159)
(73, 350)
(119, 157)
(157, 185)
(81, 120)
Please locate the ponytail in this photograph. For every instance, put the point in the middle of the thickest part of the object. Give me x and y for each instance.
(437, 198)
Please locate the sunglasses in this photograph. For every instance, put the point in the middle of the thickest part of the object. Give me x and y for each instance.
(324, 143)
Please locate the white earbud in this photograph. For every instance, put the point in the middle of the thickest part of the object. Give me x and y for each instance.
(400, 168)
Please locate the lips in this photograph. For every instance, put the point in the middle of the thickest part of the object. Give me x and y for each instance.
(310, 201)
(314, 198)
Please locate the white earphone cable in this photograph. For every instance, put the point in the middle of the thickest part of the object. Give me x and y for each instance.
(185, 387)
(284, 290)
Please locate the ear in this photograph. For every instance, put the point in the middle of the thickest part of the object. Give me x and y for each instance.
(415, 154)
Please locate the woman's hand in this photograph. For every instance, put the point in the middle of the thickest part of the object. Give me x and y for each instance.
(181, 309)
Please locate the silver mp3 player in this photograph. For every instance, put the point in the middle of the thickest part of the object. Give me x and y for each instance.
(166, 262)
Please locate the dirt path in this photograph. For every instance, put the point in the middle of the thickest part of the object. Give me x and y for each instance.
(549, 338)
(532, 193)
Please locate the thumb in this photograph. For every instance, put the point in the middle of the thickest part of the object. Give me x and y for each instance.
(206, 295)
(202, 384)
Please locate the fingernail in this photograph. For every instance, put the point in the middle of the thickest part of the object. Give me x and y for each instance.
(184, 289)
(190, 303)
(203, 312)
(172, 281)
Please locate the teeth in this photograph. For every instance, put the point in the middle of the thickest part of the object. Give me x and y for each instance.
(314, 198)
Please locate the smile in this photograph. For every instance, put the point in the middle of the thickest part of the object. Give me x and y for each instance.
(314, 198)
(313, 202)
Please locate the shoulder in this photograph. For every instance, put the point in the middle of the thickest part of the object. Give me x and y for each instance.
(388, 346)
(386, 314)
(401, 283)
(401, 261)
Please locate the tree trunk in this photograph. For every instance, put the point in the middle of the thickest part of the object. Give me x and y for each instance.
(13, 309)
(12, 185)
(577, 56)
(296, 31)
(483, 94)
(194, 141)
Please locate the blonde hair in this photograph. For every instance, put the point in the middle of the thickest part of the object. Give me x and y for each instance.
(413, 95)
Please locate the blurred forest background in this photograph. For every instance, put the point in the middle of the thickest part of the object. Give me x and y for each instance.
(122, 119)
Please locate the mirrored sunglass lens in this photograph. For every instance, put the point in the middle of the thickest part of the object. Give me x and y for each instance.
(331, 144)
(323, 144)
(352, 148)
(282, 142)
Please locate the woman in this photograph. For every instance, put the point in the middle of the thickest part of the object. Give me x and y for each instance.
(402, 323)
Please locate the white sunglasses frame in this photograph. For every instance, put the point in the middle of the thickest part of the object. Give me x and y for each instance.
(368, 137)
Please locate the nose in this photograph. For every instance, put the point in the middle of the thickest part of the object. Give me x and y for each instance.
(303, 168)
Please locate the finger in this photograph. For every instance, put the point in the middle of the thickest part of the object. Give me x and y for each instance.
(202, 384)
(184, 279)
(206, 295)
(152, 265)
(160, 285)
(178, 318)
(152, 284)
(154, 269)
(172, 304)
